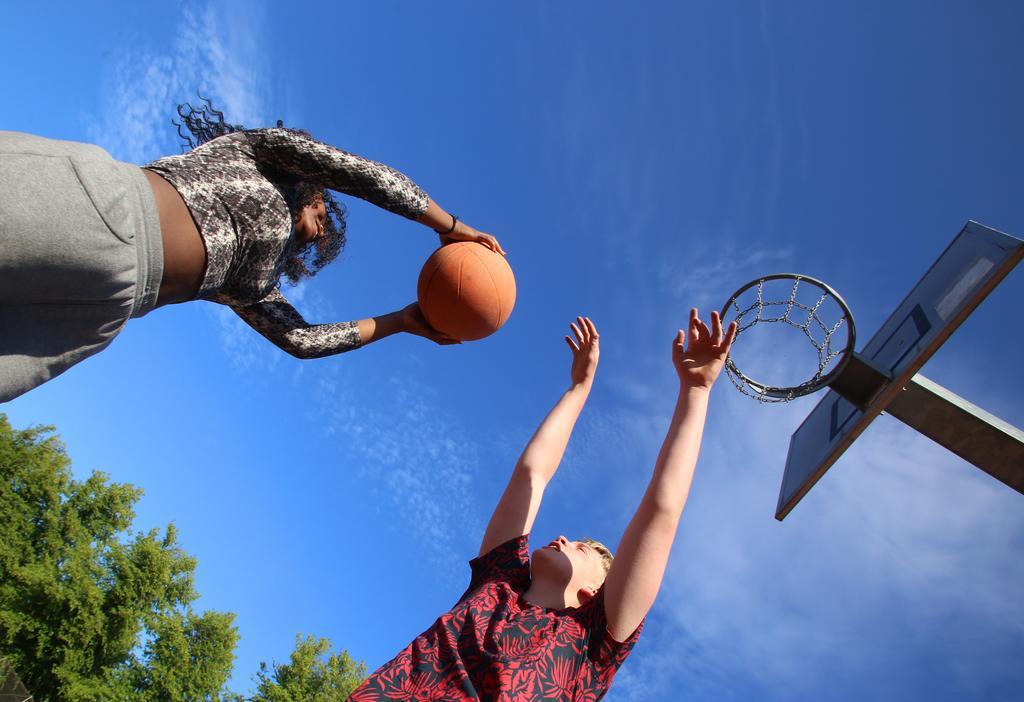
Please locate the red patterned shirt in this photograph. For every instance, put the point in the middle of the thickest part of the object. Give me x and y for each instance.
(494, 646)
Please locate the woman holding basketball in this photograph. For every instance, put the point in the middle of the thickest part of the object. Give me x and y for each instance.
(223, 222)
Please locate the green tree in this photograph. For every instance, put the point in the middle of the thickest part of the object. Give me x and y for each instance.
(88, 611)
(313, 674)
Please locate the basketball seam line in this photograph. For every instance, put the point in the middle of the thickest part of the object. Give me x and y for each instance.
(458, 277)
(497, 294)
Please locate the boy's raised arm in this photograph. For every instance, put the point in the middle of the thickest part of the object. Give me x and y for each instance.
(640, 561)
(517, 508)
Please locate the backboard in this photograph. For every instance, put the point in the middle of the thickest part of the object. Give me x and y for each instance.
(970, 267)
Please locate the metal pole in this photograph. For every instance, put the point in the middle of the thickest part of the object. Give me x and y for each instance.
(970, 432)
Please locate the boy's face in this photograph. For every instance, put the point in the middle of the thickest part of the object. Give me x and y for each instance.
(574, 563)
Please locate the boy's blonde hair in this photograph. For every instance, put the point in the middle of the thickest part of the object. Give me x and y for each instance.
(603, 551)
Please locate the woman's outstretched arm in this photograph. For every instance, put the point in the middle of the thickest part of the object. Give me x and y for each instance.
(451, 229)
(306, 158)
(281, 324)
(636, 573)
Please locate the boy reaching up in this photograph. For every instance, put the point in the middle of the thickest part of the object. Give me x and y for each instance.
(558, 626)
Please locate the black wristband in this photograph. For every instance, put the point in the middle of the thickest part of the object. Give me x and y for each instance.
(455, 220)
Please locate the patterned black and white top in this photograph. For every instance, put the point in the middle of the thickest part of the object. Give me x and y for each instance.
(234, 188)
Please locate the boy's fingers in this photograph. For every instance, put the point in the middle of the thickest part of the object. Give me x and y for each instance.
(679, 341)
(583, 329)
(705, 333)
(593, 329)
(730, 336)
(576, 330)
(693, 331)
(572, 344)
(716, 328)
(702, 329)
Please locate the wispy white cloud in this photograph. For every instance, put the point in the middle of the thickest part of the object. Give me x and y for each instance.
(223, 49)
(697, 276)
(244, 347)
(210, 54)
(416, 458)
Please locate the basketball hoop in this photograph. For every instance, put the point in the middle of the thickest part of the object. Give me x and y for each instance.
(814, 316)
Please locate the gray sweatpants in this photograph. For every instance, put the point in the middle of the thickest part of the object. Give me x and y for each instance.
(80, 253)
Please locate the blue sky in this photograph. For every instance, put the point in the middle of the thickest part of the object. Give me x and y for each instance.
(633, 162)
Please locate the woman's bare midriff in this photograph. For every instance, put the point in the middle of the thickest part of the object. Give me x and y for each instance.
(184, 252)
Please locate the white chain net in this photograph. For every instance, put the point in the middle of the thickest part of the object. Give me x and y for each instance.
(797, 314)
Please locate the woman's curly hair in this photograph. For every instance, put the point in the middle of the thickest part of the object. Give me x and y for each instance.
(207, 122)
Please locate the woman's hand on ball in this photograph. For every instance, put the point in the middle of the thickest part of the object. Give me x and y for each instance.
(464, 232)
(586, 350)
(414, 322)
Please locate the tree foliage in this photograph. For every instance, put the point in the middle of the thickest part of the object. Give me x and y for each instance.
(312, 674)
(88, 611)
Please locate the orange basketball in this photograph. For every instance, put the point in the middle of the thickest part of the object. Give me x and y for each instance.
(466, 290)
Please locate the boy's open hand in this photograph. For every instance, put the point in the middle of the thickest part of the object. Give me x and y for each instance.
(585, 350)
(700, 361)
